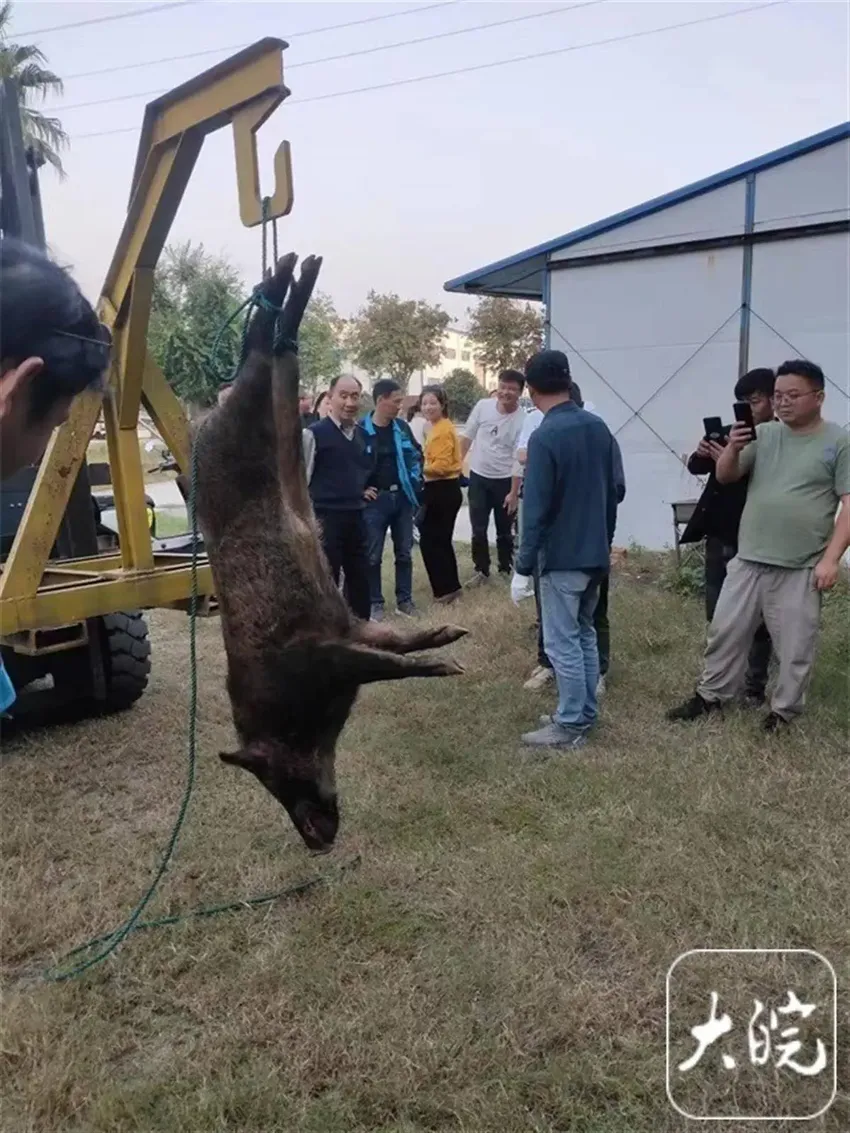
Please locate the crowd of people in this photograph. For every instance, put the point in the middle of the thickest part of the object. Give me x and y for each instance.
(774, 514)
(376, 475)
(554, 476)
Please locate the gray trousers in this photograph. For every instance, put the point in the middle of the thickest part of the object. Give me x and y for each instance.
(789, 605)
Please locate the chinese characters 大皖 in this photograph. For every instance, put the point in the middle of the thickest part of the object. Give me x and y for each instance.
(762, 1039)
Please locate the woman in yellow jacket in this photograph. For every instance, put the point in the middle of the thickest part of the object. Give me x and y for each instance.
(443, 497)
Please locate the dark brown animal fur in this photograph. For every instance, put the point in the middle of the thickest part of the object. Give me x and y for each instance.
(296, 655)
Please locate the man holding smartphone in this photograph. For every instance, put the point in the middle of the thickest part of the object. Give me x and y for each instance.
(717, 518)
(790, 546)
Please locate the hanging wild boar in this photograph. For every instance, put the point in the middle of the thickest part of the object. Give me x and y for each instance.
(296, 655)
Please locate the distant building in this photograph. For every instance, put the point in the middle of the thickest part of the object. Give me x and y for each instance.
(458, 354)
(661, 307)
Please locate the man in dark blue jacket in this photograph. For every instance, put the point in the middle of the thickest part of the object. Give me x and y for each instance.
(339, 459)
(393, 493)
(569, 515)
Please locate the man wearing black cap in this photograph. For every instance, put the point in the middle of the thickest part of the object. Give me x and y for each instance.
(543, 672)
(569, 514)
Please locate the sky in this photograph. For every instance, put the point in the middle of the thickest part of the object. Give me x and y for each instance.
(405, 187)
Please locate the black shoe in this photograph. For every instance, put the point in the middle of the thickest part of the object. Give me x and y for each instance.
(774, 723)
(693, 709)
(754, 697)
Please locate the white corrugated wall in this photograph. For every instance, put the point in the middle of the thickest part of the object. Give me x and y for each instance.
(636, 331)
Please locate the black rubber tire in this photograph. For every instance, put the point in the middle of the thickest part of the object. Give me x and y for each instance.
(127, 659)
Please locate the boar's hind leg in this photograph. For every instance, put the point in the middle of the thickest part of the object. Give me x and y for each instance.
(358, 664)
(381, 636)
(285, 380)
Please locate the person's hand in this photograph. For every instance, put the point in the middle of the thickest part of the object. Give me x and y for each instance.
(370, 494)
(704, 449)
(740, 436)
(522, 586)
(709, 450)
(511, 503)
(825, 574)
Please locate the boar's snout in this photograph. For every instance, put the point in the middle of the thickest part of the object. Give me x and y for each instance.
(310, 802)
(317, 821)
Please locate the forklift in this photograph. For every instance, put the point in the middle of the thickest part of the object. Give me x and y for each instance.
(73, 634)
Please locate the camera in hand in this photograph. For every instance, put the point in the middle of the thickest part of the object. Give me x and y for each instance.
(744, 416)
(714, 429)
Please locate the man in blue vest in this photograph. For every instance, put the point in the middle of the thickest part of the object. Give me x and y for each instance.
(395, 487)
(52, 348)
(339, 459)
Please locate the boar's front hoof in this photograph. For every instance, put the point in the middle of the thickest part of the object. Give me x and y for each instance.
(447, 669)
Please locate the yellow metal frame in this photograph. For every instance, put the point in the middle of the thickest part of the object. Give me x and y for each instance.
(35, 593)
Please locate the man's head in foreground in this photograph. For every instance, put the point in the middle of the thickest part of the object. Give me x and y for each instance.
(52, 348)
(548, 376)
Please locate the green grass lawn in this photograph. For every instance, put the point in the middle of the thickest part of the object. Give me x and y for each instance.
(496, 963)
(171, 523)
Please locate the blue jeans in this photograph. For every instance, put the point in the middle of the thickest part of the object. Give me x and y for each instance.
(567, 604)
(393, 512)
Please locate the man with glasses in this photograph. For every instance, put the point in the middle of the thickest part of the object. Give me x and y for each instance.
(790, 545)
(717, 517)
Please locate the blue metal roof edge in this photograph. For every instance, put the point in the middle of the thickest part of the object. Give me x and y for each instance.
(656, 204)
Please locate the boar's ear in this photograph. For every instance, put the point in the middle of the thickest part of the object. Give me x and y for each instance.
(249, 758)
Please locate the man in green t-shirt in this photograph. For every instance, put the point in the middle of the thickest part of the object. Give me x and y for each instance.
(790, 545)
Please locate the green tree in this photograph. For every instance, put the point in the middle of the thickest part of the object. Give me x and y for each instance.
(320, 352)
(25, 63)
(194, 295)
(506, 333)
(396, 337)
(463, 389)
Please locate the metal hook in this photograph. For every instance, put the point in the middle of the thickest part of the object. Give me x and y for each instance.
(246, 122)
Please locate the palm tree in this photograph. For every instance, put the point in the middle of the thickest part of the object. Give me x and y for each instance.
(43, 136)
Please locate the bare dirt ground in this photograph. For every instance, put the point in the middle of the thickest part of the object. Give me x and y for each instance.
(496, 962)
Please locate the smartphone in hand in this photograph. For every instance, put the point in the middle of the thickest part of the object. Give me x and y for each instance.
(744, 416)
(714, 430)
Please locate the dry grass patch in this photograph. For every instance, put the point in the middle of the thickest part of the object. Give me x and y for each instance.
(497, 961)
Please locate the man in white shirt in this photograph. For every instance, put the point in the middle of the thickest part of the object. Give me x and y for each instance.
(492, 432)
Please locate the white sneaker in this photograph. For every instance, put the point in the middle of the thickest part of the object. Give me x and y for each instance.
(539, 679)
(600, 687)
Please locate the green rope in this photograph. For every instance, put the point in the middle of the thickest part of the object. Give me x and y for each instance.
(103, 946)
(212, 360)
(112, 940)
